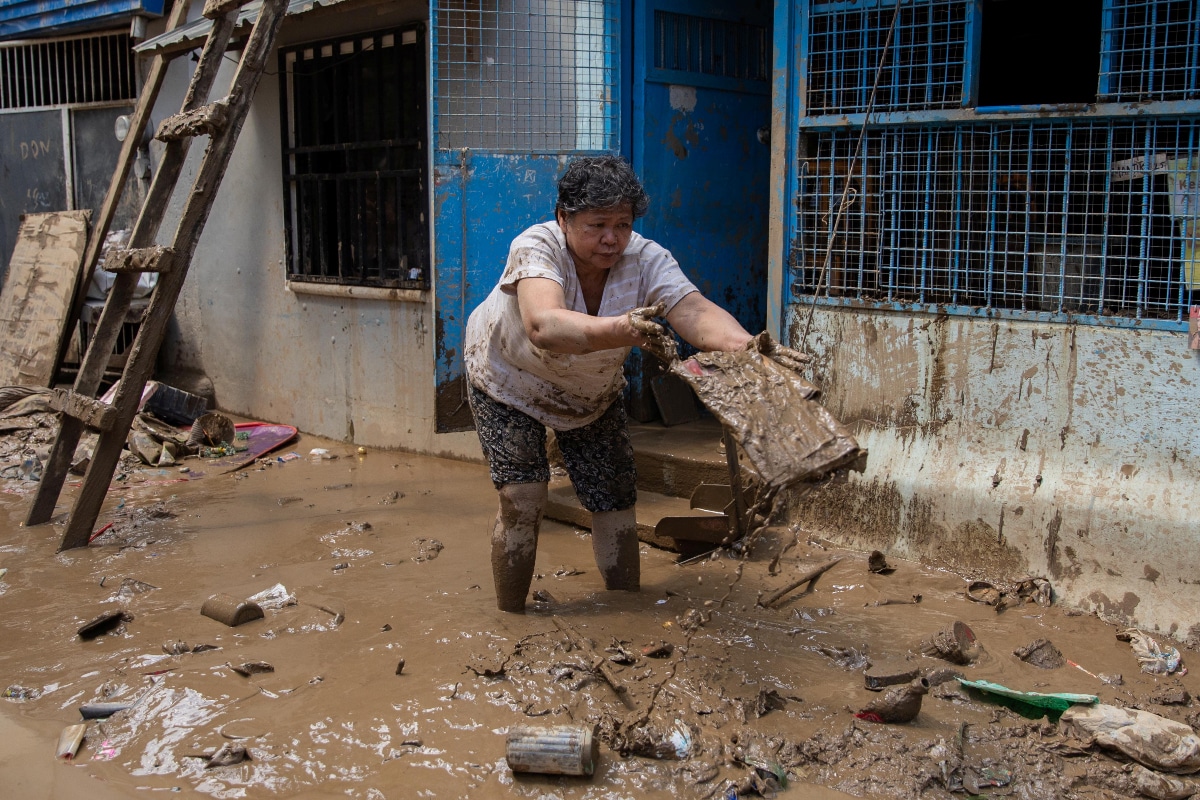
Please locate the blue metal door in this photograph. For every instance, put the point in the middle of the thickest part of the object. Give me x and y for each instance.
(701, 118)
(516, 92)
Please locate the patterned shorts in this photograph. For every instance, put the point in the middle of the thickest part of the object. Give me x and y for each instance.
(598, 456)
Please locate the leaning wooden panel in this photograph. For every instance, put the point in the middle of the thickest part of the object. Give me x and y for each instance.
(38, 290)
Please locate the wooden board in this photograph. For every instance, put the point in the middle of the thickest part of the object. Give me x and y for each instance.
(38, 291)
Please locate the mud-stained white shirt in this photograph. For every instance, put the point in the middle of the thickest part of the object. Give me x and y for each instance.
(561, 390)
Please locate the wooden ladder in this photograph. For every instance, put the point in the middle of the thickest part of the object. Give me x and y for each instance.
(222, 121)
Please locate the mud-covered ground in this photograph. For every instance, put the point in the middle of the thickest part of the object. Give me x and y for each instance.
(386, 555)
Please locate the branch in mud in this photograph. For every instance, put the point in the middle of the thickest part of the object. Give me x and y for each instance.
(500, 671)
(807, 577)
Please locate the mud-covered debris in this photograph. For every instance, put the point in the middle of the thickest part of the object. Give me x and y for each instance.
(131, 587)
(248, 668)
(879, 676)
(400, 666)
(565, 572)
(341, 565)
(274, 598)
(1149, 739)
(1042, 654)
(845, 657)
(878, 564)
(956, 644)
(228, 755)
(768, 700)
(283, 502)
(937, 677)
(231, 611)
(1154, 659)
(70, 740)
(391, 497)
(1162, 787)
(553, 750)
(20, 694)
(102, 710)
(691, 619)
(1002, 595)
(659, 650)
(108, 622)
(977, 780)
(337, 487)
(176, 647)
(619, 653)
(901, 704)
(427, 549)
(204, 648)
(542, 596)
(1171, 696)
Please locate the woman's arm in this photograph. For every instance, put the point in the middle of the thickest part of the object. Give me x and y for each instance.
(705, 325)
(551, 326)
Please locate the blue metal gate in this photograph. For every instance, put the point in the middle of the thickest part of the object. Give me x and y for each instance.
(516, 92)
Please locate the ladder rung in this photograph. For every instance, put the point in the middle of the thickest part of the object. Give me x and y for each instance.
(206, 120)
(87, 410)
(141, 259)
(218, 8)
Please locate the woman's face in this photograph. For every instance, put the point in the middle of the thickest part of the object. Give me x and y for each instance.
(598, 237)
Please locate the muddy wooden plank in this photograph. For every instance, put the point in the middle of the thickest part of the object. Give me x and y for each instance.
(37, 295)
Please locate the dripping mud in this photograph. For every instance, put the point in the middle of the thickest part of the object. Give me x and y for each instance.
(393, 674)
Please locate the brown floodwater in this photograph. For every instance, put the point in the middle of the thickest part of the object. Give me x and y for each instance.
(387, 556)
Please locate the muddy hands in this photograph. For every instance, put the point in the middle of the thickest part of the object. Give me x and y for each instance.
(655, 338)
(792, 359)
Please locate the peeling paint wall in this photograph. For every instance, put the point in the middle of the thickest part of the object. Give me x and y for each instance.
(356, 370)
(1009, 448)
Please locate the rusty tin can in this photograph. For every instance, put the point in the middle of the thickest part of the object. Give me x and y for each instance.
(553, 750)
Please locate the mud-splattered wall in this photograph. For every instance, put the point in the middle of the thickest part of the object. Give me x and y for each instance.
(1009, 449)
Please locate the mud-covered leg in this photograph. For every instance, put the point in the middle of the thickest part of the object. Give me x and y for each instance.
(514, 543)
(615, 544)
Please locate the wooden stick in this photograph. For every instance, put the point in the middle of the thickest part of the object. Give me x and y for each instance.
(598, 662)
(814, 573)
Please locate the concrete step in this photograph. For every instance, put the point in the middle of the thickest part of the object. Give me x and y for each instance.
(671, 463)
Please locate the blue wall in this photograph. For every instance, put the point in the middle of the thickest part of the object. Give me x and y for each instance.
(27, 18)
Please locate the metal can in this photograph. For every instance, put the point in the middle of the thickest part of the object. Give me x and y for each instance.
(553, 750)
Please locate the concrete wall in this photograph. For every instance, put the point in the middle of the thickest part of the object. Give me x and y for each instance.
(1012, 449)
(358, 370)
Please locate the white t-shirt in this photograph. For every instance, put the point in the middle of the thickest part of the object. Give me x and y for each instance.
(561, 390)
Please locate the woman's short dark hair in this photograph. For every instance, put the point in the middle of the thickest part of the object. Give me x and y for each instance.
(600, 182)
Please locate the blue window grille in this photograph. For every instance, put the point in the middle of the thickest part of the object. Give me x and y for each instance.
(926, 68)
(1061, 219)
(705, 46)
(526, 76)
(1150, 51)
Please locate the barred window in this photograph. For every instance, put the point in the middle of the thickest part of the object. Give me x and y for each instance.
(1151, 51)
(68, 71)
(531, 75)
(355, 159)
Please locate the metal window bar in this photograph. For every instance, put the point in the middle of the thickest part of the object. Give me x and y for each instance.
(95, 68)
(924, 71)
(1150, 51)
(1067, 218)
(355, 168)
(527, 76)
(705, 46)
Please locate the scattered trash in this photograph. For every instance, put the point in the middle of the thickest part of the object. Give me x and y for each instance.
(878, 677)
(341, 565)
(391, 497)
(845, 657)
(978, 779)
(901, 704)
(320, 454)
(1171, 696)
(102, 710)
(100, 533)
(213, 430)
(660, 650)
(956, 644)
(362, 451)
(768, 700)
(274, 598)
(286, 457)
(105, 623)
(176, 648)
(555, 750)
(1029, 590)
(70, 740)
(230, 611)
(132, 586)
(1151, 740)
(400, 666)
(427, 549)
(878, 564)
(1155, 660)
(542, 596)
(252, 668)
(681, 739)
(1041, 653)
(228, 755)
(3, 572)
(890, 601)
(1057, 701)
(21, 693)
(1162, 787)
(807, 577)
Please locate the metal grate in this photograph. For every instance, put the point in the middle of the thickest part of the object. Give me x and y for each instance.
(527, 75)
(97, 68)
(1069, 217)
(925, 69)
(355, 161)
(1151, 50)
(707, 46)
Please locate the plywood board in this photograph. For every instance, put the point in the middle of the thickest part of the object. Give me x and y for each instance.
(38, 290)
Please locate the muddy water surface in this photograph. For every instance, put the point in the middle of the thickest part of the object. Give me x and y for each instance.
(387, 557)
